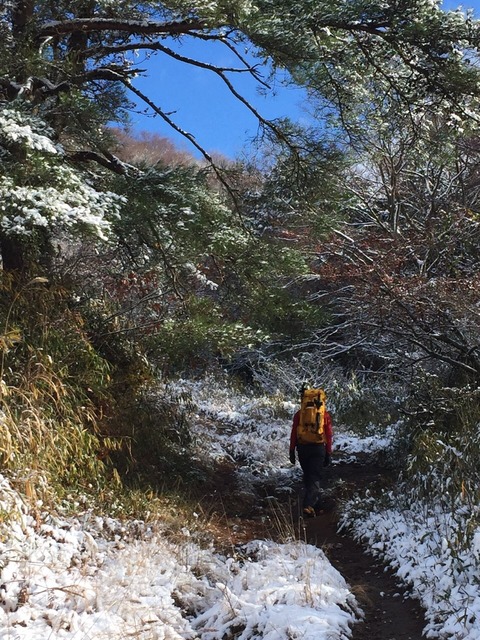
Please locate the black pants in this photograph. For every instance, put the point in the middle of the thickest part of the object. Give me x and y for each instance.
(311, 458)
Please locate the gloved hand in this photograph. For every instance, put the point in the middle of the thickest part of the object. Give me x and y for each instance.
(292, 456)
(327, 460)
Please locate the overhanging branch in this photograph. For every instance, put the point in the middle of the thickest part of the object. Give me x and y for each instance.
(133, 27)
(111, 162)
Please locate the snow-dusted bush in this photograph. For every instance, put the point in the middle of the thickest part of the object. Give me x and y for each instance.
(362, 405)
(445, 444)
(94, 577)
(44, 191)
(285, 375)
(425, 543)
(428, 529)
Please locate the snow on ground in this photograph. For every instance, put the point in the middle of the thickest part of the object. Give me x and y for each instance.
(350, 444)
(422, 543)
(97, 579)
(256, 430)
(91, 578)
(94, 578)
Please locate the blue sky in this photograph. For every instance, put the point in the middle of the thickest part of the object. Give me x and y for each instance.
(201, 104)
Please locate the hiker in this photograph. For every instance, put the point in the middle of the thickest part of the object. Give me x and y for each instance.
(313, 456)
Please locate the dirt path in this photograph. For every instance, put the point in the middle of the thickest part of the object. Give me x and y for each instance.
(389, 614)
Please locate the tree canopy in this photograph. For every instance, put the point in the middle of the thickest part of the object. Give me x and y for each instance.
(398, 78)
(122, 259)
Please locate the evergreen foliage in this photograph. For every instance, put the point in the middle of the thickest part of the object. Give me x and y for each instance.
(354, 239)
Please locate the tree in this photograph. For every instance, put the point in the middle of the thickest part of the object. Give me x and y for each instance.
(74, 63)
(404, 273)
(40, 192)
(57, 53)
(411, 50)
(189, 278)
(64, 73)
(398, 86)
(71, 67)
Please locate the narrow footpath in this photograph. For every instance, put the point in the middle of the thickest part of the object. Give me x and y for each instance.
(389, 613)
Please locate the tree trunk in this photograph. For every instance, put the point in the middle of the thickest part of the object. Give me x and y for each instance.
(21, 15)
(12, 254)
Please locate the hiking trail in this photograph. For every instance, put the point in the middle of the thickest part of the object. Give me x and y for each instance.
(265, 513)
(389, 614)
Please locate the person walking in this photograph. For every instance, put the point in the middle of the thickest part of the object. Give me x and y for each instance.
(313, 457)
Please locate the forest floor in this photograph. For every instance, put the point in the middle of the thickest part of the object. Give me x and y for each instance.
(389, 612)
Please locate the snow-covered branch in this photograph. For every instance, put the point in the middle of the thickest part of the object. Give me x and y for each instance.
(133, 27)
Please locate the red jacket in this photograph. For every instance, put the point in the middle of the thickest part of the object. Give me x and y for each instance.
(327, 427)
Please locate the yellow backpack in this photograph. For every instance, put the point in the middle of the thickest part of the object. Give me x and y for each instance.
(311, 426)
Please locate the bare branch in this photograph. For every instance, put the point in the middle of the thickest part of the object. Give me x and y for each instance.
(358, 251)
(157, 46)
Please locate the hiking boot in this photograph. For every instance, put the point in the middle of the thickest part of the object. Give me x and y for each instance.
(309, 512)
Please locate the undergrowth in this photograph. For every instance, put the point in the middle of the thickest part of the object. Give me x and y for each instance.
(79, 425)
(445, 444)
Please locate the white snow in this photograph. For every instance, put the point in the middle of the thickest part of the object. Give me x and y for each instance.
(90, 577)
(423, 544)
(66, 200)
(94, 578)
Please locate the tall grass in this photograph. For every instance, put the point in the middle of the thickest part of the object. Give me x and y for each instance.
(52, 385)
(443, 464)
(80, 418)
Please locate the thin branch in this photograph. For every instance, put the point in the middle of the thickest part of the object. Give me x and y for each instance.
(429, 350)
(157, 46)
(169, 121)
(133, 27)
(359, 252)
(252, 69)
(127, 83)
